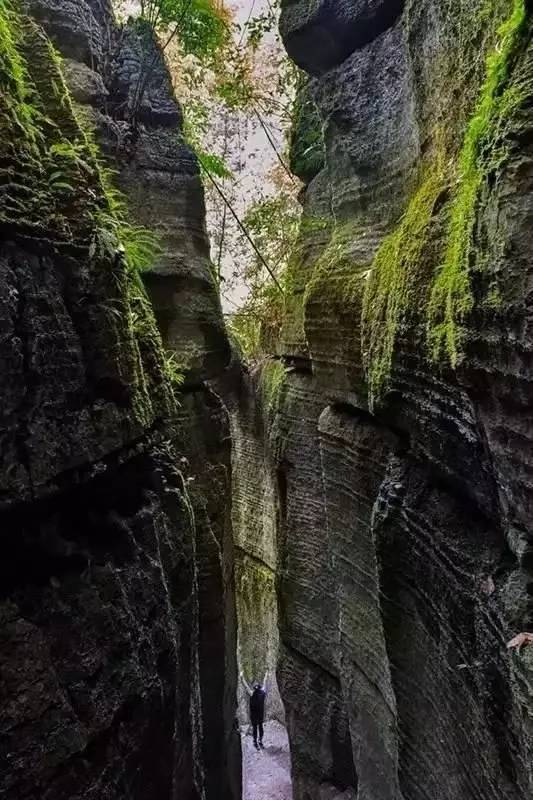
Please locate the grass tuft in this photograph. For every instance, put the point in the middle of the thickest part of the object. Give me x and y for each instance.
(271, 383)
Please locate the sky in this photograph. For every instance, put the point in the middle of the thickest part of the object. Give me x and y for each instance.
(251, 156)
(257, 159)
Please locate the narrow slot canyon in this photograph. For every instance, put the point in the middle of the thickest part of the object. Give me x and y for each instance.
(311, 471)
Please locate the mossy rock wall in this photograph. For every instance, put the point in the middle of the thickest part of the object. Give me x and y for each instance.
(255, 519)
(75, 290)
(419, 146)
(401, 438)
(99, 613)
(258, 642)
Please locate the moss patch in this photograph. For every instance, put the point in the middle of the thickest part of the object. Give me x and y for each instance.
(257, 615)
(336, 273)
(485, 148)
(395, 285)
(57, 197)
(55, 184)
(300, 271)
(401, 289)
(48, 176)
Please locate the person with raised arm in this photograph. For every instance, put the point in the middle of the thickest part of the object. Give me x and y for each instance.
(257, 693)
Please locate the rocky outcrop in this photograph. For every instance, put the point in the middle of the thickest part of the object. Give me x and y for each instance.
(396, 443)
(117, 619)
(159, 175)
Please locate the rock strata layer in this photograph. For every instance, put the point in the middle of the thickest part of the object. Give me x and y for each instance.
(117, 665)
(393, 442)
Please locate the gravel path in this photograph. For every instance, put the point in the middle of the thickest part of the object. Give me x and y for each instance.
(267, 773)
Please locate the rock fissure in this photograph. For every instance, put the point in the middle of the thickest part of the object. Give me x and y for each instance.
(352, 515)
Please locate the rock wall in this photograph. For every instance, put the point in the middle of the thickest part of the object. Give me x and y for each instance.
(255, 527)
(397, 443)
(118, 631)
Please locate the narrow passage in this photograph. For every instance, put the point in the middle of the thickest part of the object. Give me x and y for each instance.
(267, 772)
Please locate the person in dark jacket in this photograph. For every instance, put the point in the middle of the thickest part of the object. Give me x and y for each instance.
(257, 693)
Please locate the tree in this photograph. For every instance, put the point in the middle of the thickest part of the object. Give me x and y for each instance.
(236, 85)
(274, 223)
(200, 25)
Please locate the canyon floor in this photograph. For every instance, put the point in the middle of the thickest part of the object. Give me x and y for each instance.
(267, 773)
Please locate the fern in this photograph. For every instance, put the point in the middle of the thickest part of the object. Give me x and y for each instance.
(174, 370)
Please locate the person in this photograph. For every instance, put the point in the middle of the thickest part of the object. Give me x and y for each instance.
(257, 693)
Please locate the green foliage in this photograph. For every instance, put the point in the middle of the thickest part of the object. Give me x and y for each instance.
(257, 325)
(485, 148)
(195, 128)
(259, 26)
(54, 145)
(56, 190)
(18, 92)
(273, 223)
(212, 164)
(306, 145)
(65, 155)
(174, 370)
(201, 25)
(141, 246)
(271, 383)
(244, 327)
(41, 146)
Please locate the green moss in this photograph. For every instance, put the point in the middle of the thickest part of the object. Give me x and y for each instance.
(315, 232)
(157, 371)
(255, 578)
(57, 190)
(336, 274)
(401, 290)
(256, 600)
(485, 148)
(141, 246)
(293, 329)
(48, 175)
(18, 97)
(394, 285)
(55, 184)
(271, 383)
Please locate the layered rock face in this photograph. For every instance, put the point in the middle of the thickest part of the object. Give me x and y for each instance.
(118, 634)
(255, 529)
(397, 434)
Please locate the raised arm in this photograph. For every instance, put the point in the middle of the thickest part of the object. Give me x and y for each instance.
(246, 685)
(265, 680)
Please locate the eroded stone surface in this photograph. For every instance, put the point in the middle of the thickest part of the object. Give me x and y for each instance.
(403, 538)
(118, 630)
